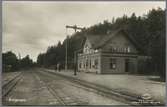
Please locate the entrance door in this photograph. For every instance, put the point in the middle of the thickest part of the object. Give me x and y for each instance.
(87, 65)
(126, 65)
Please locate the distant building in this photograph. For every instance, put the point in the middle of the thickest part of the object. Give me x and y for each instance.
(115, 52)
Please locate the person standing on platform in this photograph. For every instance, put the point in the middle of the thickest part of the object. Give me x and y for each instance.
(58, 67)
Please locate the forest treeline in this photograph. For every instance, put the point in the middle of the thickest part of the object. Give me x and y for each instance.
(10, 62)
(148, 30)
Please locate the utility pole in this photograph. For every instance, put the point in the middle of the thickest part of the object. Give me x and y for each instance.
(75, 60)
(19, 56)
(66, 51)
(75, 29)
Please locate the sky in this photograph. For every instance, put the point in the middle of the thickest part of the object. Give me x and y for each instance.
(30, 27)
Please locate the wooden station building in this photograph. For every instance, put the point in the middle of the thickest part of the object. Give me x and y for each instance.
(115, 52)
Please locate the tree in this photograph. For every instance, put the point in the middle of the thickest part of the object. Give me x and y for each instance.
(26, 62)
(9, 61)
(156, 27)
(148, 30)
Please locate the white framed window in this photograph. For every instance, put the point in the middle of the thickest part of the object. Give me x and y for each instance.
(128, 49)
(114, 49)
(96, 63)
(96, 50)
(112, 63)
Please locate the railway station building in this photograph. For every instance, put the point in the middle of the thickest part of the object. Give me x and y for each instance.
(115, 52)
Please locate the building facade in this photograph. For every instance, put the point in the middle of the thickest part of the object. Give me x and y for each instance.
(115, 52)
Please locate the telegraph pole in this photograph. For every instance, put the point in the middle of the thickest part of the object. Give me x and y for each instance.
(66, 50)
(19, 56)
(66, 58)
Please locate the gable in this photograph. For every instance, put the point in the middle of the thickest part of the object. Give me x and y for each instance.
(87, 47)
(120, 43)
(87, 44)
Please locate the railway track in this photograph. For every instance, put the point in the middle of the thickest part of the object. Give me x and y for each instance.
(125, 98)
(96, 89)
(8, 86)
(63, 98)
(50, 89)
(62, 89)
(77, 85)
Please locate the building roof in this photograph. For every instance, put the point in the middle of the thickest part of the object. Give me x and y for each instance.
(98, 41)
